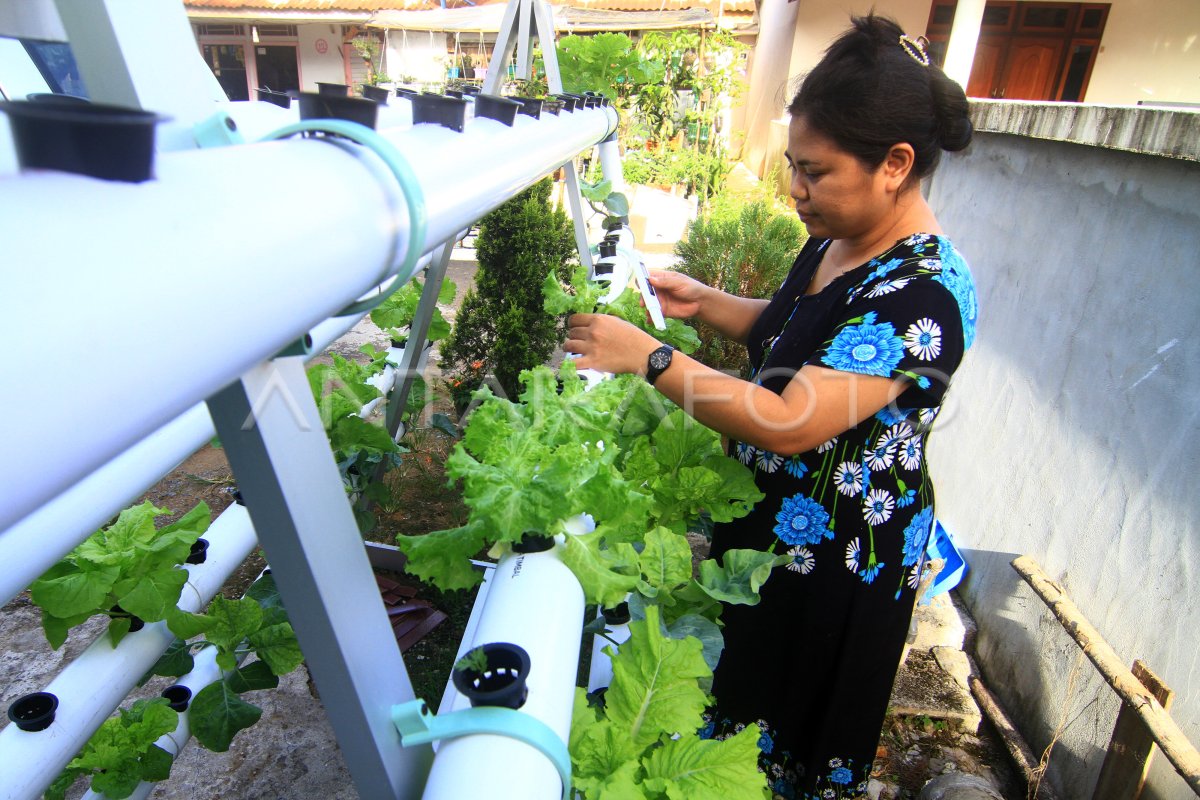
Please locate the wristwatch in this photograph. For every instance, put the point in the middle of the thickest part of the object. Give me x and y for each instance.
(658, 362)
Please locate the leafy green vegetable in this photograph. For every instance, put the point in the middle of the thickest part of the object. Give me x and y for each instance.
(644, 743)
(396, 313)
(690, 768)
(217, 714)
(122, 753)
(474, 660)
(128, 564)
(619, 452)
(584, 298)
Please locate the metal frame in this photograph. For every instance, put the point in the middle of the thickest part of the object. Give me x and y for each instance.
(266, 418)
(272, 433)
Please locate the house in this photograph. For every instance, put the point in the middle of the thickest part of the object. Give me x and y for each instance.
(1114, 53)
(294, 44)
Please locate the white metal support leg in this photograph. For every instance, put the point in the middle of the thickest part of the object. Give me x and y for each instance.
(523, 19)
(269, 426)
(418, 333)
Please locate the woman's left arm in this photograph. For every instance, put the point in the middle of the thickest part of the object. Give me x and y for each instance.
(817, 404)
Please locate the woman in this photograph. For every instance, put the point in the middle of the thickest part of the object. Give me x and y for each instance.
(851, 360)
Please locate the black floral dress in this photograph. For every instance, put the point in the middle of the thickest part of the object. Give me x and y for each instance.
(813, 663)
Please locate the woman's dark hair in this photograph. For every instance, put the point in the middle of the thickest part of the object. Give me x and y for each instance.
(870, 92)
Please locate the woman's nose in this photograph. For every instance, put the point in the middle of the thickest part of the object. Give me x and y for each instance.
(798, 190)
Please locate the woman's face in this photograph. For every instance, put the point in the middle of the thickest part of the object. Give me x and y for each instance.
(836, 196)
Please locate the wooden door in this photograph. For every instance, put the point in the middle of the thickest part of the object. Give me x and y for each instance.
(985, 71)
(1031, 70)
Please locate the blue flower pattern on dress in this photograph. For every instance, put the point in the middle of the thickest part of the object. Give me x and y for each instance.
(916, 536)
(861, 499)
(802, 520)
(956, 276)
(867, 349)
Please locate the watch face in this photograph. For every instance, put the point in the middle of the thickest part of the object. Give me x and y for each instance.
(660, 359)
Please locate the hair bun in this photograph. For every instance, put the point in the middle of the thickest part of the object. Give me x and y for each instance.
(951, 111)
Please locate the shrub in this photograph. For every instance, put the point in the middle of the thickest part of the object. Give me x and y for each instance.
(501, 328)
(745, 249)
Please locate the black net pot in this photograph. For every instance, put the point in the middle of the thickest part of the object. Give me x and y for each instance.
(333, 89)
(281, 99)
(351, 109)
(376, 93)
(178, 696)
(502, 683)
(33, 712)
(102, 141)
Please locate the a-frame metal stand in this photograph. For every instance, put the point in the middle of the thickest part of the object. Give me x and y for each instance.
(524, 19)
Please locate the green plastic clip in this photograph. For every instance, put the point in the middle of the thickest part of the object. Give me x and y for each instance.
(418, 726)
(218, 130)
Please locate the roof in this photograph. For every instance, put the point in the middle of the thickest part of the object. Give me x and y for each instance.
(488, 17)
(359, 10)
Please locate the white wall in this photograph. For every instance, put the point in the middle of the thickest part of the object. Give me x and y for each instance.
(1148, 52)
(315, 66)
(819, 22)
(1072, 432)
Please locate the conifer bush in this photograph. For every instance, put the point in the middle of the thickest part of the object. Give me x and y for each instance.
(501, 328)
(745, 249)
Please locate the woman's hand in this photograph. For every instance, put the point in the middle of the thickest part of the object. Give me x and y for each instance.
(608, 343)
(680, 296)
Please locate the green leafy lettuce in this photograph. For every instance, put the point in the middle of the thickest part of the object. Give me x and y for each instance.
(584, 298)
(129, 564)
(643, 744)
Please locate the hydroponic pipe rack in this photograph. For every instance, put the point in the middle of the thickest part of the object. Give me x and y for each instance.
(328, 222)
(189, 311)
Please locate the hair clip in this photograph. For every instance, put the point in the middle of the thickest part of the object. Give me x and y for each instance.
(915, 48)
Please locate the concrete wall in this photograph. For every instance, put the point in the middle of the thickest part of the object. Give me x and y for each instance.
(326, 67)
(1149, 52)
(1072, 433)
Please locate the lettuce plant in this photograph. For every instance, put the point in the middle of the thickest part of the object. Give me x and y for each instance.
(129, 564)
(643, 744)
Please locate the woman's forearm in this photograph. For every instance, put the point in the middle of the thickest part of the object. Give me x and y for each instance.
(732, 316)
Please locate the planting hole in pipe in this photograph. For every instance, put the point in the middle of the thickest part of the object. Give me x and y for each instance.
(493, 675)
(199, 552)
(534, 542)
(617, 615)
(33, 712)
(178, 696)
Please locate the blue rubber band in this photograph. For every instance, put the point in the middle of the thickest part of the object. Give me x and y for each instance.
(418, 726)
(409, 185)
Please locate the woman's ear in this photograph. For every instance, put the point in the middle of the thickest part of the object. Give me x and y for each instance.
(898, 165)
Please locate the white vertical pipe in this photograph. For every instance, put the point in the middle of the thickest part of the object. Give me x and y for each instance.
(964, 38)
(535, 602)
(610, 164)
(95, 683)
(600, 668)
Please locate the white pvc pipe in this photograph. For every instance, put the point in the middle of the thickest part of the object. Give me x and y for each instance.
(183, 297)
(98, 680)
(204, 672)
(610, 164)
(534, 602)
(40, 540)
(600, 668)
